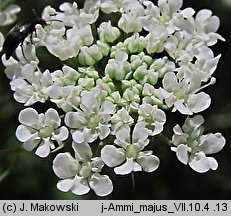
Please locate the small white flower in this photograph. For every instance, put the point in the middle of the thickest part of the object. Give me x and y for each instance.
(61, 48)
(182, 94)
(132, 85)
(169, 7)
(92, 120)
(120, 120)
(192, 146)
(103, 47)
(43, 131)
(118, 68)
(118, 48)
(130, 153)
(143, 75)
(82, 173)
(153, 117)
(30, 87)
(67, 98)
(180, 47)
(72, 16)
(140, 59)
(108, 33)
(156, 38)
(135, 43)
(206, 25)
(162, 66)
(165, 14)
(205, 63)
(130, 100)
(90, 55)
(130, 21)
(81, 36)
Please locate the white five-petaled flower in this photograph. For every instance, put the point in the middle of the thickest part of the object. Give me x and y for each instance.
(92, 120)
(43, 131)
(120, 120)
(192, 147)
(29, 88)
(132, 12)
(153, 117)
(82, 173)
(130, 153)
(181, 93)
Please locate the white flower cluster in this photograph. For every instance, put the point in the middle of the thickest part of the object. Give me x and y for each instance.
(156, 59)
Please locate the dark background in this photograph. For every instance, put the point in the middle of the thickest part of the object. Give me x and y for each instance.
(26, 176)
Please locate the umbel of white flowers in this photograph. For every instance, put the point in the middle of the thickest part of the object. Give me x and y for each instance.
(119, 91)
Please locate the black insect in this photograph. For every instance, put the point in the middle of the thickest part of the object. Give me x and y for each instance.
(18, 34)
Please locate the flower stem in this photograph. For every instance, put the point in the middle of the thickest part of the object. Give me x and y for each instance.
(133, 181)
(166, 139)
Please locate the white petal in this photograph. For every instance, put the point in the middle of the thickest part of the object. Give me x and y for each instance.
(23, 133)
(28, 72)
(170, 81)
(60, 134)
(78, 136)
(112, 156)
(123, 135)
(182, 108)
(126, 168)
(82, 151)
(140, 132)
(65, 166)
(203, 15)
(212, 143)
(84, 136)
(54, 91)
(182, 153)
(43, 149)
(149, 163)
(30, 144)
(89, 103)
(187, 12)
(107, 107)
(199, 102)
(28, 116)
(52, 118)
(137, 167)
(177, 130)
(65, 185)
(200, 163)
(74, 119)
(170, 6)
(101, 184)
(158, 128)
(104, 131)
(80, 186)
(195, 122)
(212, 163)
